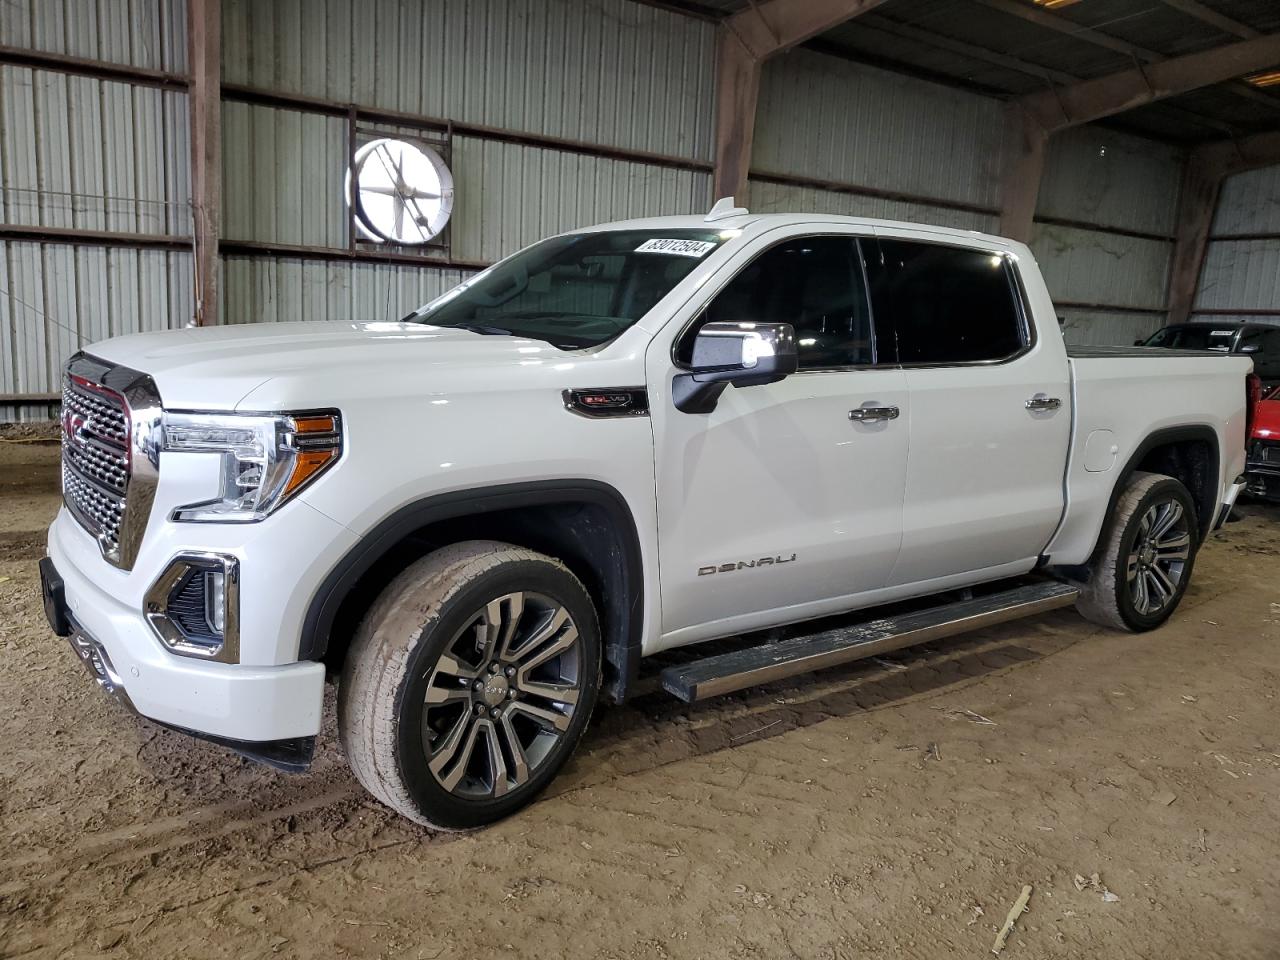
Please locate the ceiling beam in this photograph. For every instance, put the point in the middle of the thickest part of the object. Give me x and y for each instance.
(1196, 9)
(744, 42)
(1049, 75)
(1104, 96)
(1031, 119)
(1060, 24)
(1207, 168)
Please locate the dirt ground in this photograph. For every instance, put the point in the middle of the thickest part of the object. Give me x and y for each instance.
(893, 808)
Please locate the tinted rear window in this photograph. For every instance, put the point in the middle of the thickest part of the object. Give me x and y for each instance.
(944, 304)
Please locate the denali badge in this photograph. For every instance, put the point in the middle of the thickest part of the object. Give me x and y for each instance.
(743, 565)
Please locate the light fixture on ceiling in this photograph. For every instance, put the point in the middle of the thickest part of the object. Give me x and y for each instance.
(1054, 4)
(1269, 79)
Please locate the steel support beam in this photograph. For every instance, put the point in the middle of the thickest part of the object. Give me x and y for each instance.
(1207, 168)
(1196, 9)
(1106, 96)
(744, 42)
(204, 18)
(1031, 119)
(1025, 146)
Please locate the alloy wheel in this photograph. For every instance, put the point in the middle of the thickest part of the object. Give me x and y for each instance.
(502, 695)
(1159, 556)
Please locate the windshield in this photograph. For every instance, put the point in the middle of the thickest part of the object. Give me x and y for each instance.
(574, 291)
(1221, 339)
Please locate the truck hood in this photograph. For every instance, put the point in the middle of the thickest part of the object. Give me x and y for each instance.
(216, 368)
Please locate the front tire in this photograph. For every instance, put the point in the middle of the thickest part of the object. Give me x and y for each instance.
(1144, 559)
(470, 683)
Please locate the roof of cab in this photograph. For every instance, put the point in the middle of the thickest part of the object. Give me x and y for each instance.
(762, 221)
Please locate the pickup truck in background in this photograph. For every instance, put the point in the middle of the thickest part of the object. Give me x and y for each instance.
(624, 439)
(1258, 341)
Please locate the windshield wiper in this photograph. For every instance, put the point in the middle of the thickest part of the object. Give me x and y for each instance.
(481, 328)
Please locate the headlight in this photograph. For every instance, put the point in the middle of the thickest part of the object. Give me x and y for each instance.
(265, 459)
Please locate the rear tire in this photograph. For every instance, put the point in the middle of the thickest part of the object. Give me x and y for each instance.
(1143, 563)
(470, 683)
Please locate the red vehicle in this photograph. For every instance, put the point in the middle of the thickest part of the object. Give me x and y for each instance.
(1263, 468)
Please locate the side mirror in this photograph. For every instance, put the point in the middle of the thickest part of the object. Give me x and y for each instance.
(742, 354)
(1139, 342)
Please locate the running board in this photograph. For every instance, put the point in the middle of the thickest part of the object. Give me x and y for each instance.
(727, 672)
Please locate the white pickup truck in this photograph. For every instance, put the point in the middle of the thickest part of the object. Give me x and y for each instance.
(632, 437)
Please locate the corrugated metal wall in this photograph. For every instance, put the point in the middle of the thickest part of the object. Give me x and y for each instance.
(608, 73)
(830, 119)
(139, 33)
(1242, 265)
(614, 76)
(89, 154)
(825, 119)
(92, 154)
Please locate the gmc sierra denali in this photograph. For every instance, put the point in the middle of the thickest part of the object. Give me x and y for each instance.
(620, 440)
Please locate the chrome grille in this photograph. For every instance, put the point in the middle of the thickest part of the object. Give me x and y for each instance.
(95, 458)
(101, 410)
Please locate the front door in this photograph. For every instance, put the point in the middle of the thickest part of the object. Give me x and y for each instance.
(778, 505)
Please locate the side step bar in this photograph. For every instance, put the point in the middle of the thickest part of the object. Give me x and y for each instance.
(727, 672)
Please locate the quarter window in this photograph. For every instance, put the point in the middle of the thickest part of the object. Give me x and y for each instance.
(945, 305)
(813, 283)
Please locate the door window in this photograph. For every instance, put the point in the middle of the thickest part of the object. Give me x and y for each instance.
(945, 305)
(813, 283)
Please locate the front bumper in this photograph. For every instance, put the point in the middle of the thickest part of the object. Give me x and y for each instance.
(244, 707)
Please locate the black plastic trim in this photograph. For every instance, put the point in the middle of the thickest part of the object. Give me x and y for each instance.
(1176, 435)
(53, 594)
(328, 598)
(291, 755)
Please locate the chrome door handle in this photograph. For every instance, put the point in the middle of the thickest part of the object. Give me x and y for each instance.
(873, 414)
(1041, 402)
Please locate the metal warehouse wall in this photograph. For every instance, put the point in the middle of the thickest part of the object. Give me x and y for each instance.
(1241, 274)
(88, 154)
(839, 137)
(556, 112)
(609, 74)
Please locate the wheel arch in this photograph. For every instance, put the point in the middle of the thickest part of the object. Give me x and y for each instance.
(586, 524)
(1190, 454)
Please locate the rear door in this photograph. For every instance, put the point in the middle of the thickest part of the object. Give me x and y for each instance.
(990, 407)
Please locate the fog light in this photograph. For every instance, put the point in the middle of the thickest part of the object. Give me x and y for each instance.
(215, 600)
(194, 607)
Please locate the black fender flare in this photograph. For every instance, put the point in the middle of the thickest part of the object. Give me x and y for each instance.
(1197, 431)
(622, 651)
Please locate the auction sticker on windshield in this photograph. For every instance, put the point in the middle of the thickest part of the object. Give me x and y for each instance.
(681, 248)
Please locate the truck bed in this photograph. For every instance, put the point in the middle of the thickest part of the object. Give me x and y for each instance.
(1124, 396)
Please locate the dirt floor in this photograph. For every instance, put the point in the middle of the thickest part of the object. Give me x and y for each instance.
(894, 808)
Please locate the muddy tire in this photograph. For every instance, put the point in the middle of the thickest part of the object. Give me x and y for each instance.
(469, 683)
(1144, 558)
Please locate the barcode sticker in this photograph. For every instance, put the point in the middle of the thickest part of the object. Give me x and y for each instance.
(681, 248)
